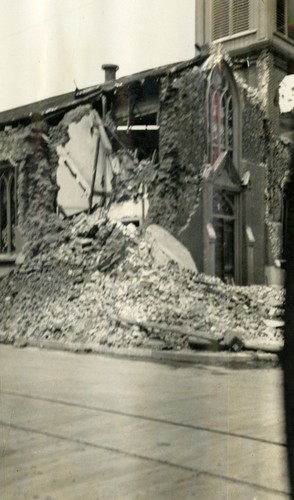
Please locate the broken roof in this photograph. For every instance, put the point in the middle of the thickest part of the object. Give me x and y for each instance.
(58, 105)
(46, 107)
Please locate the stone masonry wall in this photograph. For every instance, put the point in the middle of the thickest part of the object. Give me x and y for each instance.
(253, 132)
(278, 174)
(29, 148)
(33, 150)
(262, 145)
(177, 177)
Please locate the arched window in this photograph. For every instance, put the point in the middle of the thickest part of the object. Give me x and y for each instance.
(7, 209)
(220, 114)
(223, 200)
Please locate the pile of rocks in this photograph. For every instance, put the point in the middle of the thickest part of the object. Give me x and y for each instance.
(97, 282)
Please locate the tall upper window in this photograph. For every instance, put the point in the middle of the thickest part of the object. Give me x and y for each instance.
(7, 209)
(229, 17)
(220, 114)
(285, 17)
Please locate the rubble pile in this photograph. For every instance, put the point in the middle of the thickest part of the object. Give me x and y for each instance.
(96, 283)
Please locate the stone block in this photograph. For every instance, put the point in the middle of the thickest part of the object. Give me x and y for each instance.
(166, 248)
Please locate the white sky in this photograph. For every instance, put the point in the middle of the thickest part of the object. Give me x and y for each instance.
(47, 45)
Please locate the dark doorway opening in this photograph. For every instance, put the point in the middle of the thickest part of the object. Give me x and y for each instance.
(224, 226)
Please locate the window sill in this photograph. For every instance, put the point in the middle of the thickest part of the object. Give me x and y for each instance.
(7, 258)
(284, 37)
(235, 36)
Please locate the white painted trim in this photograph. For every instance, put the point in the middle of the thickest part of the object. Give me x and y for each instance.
(137, 127)
(235, 36)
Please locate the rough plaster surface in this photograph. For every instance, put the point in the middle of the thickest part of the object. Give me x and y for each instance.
(79, 153)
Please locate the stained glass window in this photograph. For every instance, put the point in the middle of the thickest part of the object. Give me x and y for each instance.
(220, 110)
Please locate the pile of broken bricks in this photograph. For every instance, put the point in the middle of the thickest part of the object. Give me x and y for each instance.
(100, 282)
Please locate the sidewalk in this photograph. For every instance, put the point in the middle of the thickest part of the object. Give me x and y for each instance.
(80, 426)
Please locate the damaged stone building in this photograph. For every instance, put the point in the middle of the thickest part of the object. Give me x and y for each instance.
(199, 147)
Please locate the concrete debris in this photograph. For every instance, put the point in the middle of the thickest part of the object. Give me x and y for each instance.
(166, 248)
(98, 282)
(274, 323)
(233, 341)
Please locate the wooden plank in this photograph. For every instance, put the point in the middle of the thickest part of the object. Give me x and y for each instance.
(164, 327)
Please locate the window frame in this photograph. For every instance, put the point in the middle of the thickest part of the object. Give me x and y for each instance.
(8, 180)
(284, 28)
(221, 115)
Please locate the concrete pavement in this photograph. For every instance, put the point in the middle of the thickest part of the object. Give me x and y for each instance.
(81, 426)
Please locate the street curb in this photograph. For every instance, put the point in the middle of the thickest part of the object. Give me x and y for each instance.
(226, 359)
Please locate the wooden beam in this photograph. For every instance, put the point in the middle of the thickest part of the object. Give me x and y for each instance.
(94, 173)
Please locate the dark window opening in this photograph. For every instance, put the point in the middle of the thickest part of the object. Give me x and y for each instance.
(141, 119)
(285, 18)
(144, 142)
(223, 204)
(7, 209)
(136, 101)
(126, 222)
(224, 226)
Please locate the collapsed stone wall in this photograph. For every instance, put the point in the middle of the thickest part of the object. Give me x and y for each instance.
(59, 135)
(174, 183)
(102, 284)
(32, 149)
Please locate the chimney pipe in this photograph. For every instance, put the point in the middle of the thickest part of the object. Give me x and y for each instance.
(110, 71)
